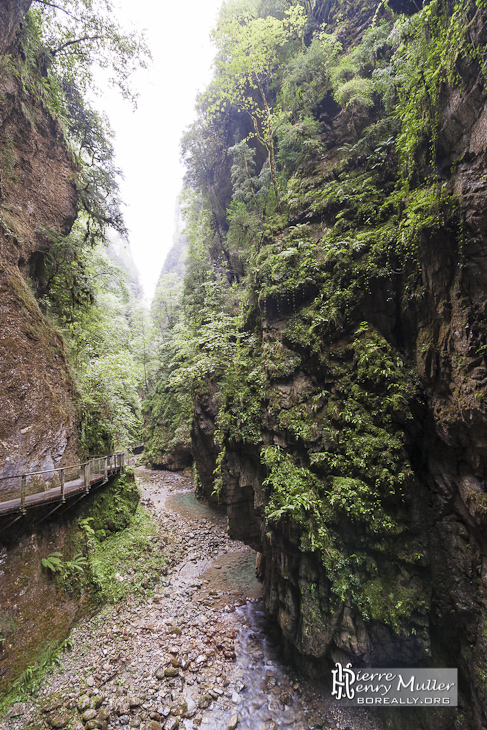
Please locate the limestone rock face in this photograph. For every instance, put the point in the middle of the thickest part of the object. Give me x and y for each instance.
(37, 195)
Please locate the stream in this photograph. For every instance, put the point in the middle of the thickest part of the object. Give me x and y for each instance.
(197, 653)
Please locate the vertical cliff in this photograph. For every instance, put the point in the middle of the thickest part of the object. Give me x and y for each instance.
(38, 200)
(347, 434)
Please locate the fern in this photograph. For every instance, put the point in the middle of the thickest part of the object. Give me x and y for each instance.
(53, 562)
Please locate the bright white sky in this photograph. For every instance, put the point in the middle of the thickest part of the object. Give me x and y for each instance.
(147, 140)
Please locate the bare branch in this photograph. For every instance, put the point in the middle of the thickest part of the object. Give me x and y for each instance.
(77, 40)
(58, 7)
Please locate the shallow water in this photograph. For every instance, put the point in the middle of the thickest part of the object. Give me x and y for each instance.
(187, 505)
(270, 694)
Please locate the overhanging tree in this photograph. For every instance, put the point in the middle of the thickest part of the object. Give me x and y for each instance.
(250, 52)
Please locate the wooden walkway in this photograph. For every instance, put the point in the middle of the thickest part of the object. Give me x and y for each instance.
(36, 489)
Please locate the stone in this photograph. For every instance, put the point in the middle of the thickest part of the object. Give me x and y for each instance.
(171, 672)
(154, 725)
(58, 720)
(97, 701)
(233, 722)
(179, 708)
(204, 702)
(18, 709)
(50, 706)
(88, 715)
(159, 673)
(172, 723)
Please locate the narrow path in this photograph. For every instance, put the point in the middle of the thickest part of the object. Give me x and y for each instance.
(194, 654)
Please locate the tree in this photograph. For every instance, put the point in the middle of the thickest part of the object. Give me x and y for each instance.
(64, 42)
(251, 50)
(79, 35)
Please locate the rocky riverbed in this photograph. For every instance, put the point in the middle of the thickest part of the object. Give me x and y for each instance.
(194, 653)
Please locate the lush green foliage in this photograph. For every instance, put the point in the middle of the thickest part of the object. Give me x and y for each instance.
(291, 238)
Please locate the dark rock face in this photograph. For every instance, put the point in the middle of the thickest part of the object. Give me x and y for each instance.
(442, 330)
(11, 13)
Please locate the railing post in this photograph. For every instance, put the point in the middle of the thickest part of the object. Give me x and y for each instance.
(22, 494)
(105, 468)
(86, 476)
(63, 498)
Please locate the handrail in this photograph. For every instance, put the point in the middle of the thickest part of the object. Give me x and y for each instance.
(94, 471)
(59, 468)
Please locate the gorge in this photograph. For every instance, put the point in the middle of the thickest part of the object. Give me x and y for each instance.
(318, 344)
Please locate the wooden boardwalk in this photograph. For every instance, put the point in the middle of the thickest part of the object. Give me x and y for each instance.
(34, 488)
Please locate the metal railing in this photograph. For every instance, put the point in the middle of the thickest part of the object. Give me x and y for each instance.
(56, 484)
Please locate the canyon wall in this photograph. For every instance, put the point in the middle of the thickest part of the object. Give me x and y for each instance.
(369, 383)
(37, 201)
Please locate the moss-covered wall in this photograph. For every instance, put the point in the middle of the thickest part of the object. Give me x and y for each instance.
(39, 604)
(347, 435)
